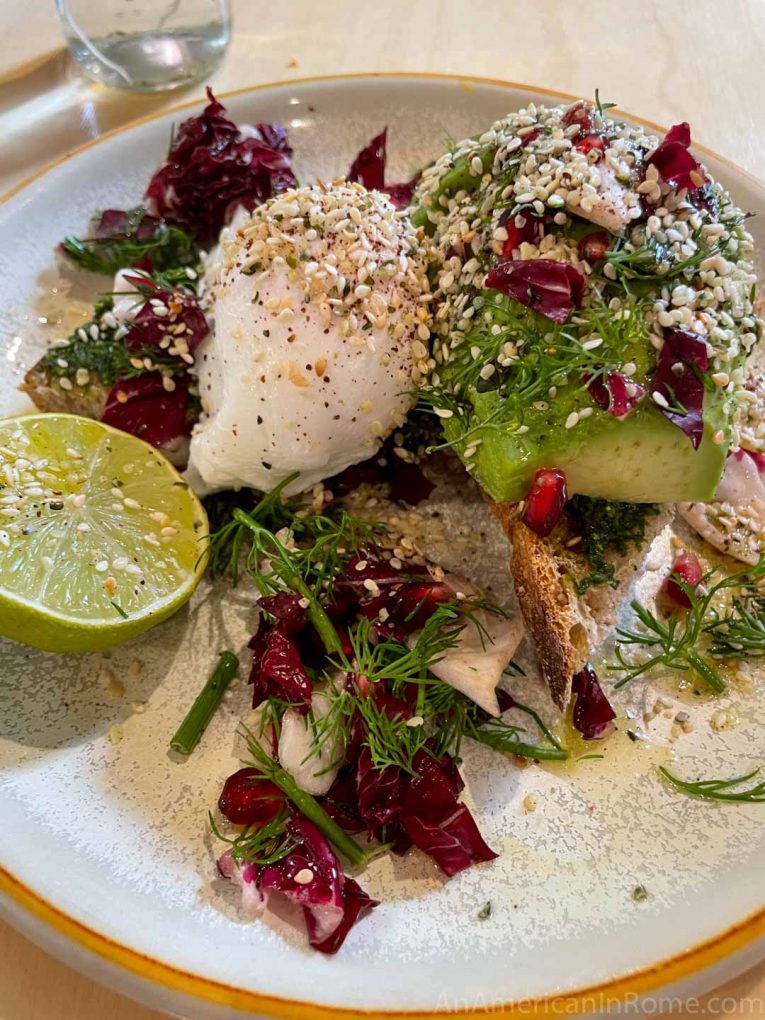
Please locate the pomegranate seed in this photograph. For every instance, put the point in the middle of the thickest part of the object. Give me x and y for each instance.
(590, 143)
(579, 114)
(545, 501)
(593, 247)
(247, 799)
(688, 568)
(530, 231)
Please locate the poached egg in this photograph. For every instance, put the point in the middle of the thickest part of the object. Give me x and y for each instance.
(320, 306)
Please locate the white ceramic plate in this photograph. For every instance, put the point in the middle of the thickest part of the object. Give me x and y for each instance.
(103, 852)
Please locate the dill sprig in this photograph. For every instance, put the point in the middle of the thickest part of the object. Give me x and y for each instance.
(547, 357)
(606, 527)
(314, 546)
(259, 844)
(440, 717)
(168, 247)
(719, 789)
(503, 736)
(678, 643)
(228, 534)
(739, 633)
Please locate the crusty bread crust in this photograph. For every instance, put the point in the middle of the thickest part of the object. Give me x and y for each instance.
(550, 607)
(564, 627)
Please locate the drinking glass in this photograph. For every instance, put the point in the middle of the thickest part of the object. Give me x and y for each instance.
(146, 45)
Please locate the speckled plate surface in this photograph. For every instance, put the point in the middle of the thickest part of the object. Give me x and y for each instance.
(104, 856)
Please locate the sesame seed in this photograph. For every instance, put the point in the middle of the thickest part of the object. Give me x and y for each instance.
(572, 420)
(659, 399)
(304, 877)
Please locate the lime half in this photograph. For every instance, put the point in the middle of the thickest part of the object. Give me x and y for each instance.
(100, 538)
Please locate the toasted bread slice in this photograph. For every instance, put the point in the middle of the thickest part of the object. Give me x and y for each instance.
(48, 395)
(566, 627)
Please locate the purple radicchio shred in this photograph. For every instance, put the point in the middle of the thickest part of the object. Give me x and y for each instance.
(286, 609)
(213, 167)
(378, 793)
(615, 393)
(593, 714)
(675, 163)
(435, 821)
(554, 289)
(277, 668)
(148, 329)
(143, 407)
(368, 168)
(114, 225)
(408, 595)
(331, 901)
(679, 379)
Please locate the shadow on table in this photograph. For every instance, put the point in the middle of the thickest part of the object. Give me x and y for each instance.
(48, 108)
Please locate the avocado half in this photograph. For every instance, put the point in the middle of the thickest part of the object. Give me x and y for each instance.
(642, 458)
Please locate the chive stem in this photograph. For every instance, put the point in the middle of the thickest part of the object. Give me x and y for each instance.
(207, 701)
(305, 803)
(314, 812)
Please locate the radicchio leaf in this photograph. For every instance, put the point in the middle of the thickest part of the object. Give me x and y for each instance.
(435, 821)
(408, 482)
(401, 194)
(368, 168)
(286, 609)
(149, 329)
(676, 165)
(407, 605)
(213, 167)
(281, 669)
(249, 799)
(554, 289)
(683, 360)
(143, 407)
(454, 843)
(579, 113)
(593, 715)
(332, 903)
(378, 793)
(615, 393)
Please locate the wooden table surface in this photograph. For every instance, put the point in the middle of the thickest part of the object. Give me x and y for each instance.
(695, 60)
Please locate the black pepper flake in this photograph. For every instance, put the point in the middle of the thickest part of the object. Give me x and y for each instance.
(259, 420)
(485, 912)
(640, 894)
(266, 465)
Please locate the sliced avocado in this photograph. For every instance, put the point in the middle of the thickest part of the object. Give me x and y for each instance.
(642, 458)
